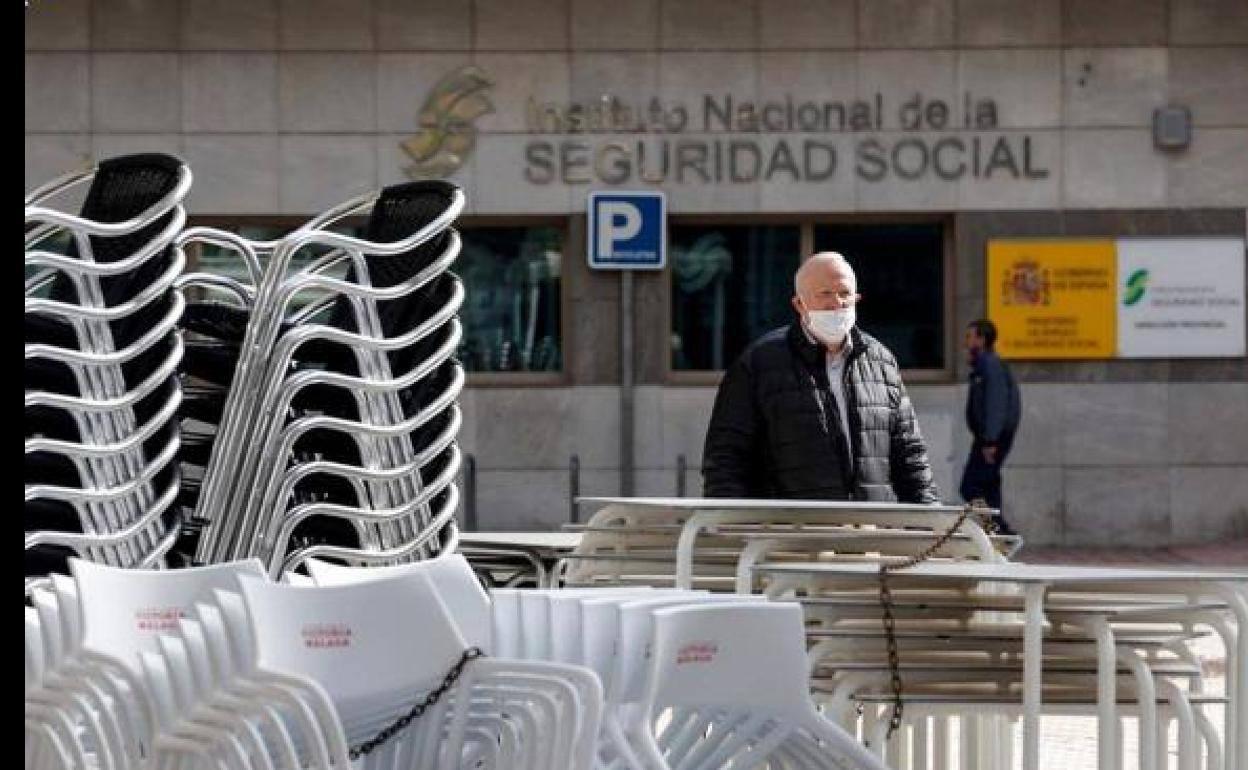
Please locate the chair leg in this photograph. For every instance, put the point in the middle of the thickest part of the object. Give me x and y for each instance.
(940, 743)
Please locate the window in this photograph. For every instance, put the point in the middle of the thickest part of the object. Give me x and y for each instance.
(511, 314)
(900, 269)
(226, 261)
(730, 284)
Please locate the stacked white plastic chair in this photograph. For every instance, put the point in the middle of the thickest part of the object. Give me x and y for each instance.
(341, 414)
(714, 701)
(86, 693)
(519, 713)
(102, 352)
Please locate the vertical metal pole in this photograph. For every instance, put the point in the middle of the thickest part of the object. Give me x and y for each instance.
(574, 488)
(470, 493)
(626, 383)
(680, 475)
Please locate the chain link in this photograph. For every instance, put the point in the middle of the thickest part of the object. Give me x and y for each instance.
(417, 711)
(890, 622)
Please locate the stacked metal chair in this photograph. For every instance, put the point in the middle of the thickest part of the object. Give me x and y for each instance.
(337, 437)
(102, 352)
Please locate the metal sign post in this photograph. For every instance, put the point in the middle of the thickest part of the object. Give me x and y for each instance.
(627, 231)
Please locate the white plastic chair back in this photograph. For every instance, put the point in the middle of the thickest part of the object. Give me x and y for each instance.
(385, 641)
(748, 659)
(451, 575)
(635, 632)
(125, 610)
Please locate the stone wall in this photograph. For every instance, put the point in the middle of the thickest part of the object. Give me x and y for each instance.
(284, 107)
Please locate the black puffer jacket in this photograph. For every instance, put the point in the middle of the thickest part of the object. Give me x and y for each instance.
(775, 431)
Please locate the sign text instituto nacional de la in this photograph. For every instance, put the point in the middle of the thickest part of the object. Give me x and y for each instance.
(722, 139)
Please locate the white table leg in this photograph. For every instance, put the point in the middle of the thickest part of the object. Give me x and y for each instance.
(1106, 694)
(1033, 671)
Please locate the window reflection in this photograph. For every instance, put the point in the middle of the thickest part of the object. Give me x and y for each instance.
(730, 285)
(900, 269)
(511, 311)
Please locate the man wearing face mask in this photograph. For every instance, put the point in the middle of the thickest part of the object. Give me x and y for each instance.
(817, 410)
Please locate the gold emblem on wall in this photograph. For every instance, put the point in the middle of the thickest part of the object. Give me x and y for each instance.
(446, 121)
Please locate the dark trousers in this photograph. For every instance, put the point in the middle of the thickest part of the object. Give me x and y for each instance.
(981, 479)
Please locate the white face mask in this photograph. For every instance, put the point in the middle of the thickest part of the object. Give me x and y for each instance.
(831, 326)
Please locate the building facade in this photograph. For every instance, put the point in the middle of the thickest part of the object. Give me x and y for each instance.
(907, 134)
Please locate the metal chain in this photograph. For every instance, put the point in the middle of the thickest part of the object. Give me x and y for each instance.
(890, 622)
(388, 732)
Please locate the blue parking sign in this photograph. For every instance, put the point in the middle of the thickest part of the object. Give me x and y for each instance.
(627, 230)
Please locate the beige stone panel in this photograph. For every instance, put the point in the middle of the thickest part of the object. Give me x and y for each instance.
(521, 501)
(1208, 22)
(905, 23)
(223, 25)
(135, 25)
(47, 156)
(685, 415)
(1114, 424)
(318, 172)
(326, 25)
(56, 91)
(1208, 504)
(1114, 22)
(808, 24)
(1112, 169)
(1113, 86)
(57, 26)
(1116, 506)
(1213, 82)
(525, 427)
(521, 25)
(1212, 172)
(423, 25)
(136, 92)
(821, 76)
(236, 174)
(322, 92)
(997, 23)
(1207, 423)
(1033, 502)
(708, 24)
(611, 24)
(233, 92)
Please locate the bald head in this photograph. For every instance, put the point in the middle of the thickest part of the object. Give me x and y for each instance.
(824, 277)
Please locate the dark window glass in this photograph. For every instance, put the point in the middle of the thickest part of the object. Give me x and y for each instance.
(224, 261)
(730, 285)
(901, 277)
(511, 311)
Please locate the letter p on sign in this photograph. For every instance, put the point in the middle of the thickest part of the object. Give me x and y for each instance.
(627, 230)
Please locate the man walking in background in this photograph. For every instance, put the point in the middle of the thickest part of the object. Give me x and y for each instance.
(993, 412)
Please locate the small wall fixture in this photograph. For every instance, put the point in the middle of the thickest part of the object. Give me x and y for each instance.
(1172, 128)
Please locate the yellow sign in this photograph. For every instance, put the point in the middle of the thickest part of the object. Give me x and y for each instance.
(1053, 299)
